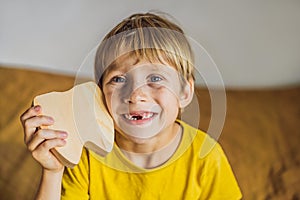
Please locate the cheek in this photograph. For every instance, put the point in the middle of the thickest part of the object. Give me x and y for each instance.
(108, 98)
(167, 98)
(113, 101)
(172, 90)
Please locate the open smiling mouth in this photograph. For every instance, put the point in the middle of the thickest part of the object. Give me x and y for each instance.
(139, 116)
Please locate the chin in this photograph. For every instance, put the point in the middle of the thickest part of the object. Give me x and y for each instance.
(136, 140)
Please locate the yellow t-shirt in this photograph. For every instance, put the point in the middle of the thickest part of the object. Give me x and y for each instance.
(189, 174)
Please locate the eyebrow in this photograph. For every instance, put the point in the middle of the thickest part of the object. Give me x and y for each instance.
(156, 67)
(116, 62)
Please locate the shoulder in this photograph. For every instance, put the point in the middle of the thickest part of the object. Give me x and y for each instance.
(81, 169)
(212, 166)
(75, 180)
(199, 141)
(203, 150)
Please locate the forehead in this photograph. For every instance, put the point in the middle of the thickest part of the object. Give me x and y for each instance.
(129, 62)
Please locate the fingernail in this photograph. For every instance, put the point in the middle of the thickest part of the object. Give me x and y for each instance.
(51, 119)
(64, 134)
(37, 108)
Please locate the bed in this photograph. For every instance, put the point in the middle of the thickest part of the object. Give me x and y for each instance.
(261, 135)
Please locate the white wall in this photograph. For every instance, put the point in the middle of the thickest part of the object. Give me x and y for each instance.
(254, 43)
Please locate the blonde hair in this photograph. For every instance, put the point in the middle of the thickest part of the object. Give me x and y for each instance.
(147, 37)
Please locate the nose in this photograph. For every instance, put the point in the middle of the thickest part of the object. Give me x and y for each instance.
(137, 95)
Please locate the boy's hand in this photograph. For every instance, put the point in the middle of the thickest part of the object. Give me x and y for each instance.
(40, 141)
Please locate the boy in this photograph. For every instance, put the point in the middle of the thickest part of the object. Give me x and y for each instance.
(144, 67)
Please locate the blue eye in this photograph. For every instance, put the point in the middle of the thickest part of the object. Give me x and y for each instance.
(118, 79)
(155, 78)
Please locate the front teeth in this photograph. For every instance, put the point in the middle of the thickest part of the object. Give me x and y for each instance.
(138, 117)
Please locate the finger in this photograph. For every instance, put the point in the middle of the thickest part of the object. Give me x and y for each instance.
(44, 134)
(42, 152)
(30, 112)
(38, 121)
(31, 124)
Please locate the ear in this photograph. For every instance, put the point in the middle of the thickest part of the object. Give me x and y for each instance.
(187, 93)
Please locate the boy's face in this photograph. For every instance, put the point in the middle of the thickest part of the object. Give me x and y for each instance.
(144, 98)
